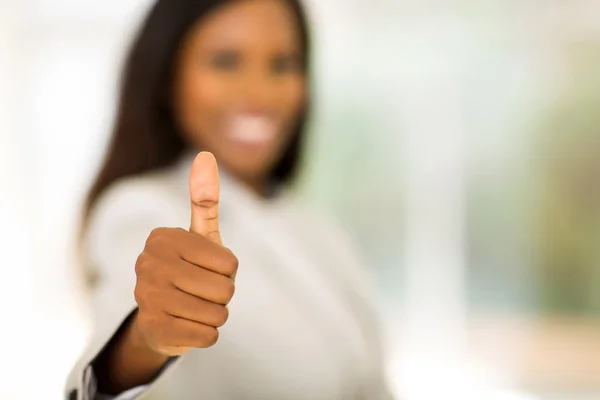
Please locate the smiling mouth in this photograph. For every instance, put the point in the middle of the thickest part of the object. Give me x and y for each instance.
(251, 129)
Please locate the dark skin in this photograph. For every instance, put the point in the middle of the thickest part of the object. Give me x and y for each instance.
(238, 90)
(238, 71)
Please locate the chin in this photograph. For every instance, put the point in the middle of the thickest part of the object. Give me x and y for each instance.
(252, 165)
(253, 173)
(246, 171)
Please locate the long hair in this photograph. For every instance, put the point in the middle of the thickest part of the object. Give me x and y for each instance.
(145, 135)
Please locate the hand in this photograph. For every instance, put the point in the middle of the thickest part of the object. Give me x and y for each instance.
(185, 278)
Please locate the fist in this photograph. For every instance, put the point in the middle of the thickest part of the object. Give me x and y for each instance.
(185, 279)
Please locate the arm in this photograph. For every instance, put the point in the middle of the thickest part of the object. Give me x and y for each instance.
(182, 282)
(127, 361)
(117, 231)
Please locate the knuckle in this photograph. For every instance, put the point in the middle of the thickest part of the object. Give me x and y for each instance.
(231, 263)
(156, 232)
(226, 291)
(211, 336)
(222, 316)
(151, 270)
(143, 263)
(158, 238)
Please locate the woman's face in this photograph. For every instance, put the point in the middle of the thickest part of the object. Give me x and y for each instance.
(239, 85)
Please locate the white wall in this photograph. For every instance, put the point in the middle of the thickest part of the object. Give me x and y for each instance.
(57, 76)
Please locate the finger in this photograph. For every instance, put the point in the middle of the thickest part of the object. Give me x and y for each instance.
(203, 283)
(198, 251)
(222, 261)
(204, 195)
(186, 306)
(179, 332)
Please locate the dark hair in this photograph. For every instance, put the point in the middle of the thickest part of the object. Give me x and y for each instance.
(145, 136)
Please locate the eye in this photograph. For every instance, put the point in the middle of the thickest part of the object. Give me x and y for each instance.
(285, 63)
(225, 61)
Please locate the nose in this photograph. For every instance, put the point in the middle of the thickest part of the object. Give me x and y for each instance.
(259, 90)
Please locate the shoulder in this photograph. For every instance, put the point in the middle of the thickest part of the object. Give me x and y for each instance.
(152, 193)
(130, 208)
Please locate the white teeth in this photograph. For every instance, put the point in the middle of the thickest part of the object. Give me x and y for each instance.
(251, 129)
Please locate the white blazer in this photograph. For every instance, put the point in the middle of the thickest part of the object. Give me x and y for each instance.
(301, 325)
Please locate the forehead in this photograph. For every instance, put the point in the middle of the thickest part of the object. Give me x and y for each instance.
(248, 23)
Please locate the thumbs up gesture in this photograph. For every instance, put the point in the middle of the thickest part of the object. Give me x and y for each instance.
(185, 278)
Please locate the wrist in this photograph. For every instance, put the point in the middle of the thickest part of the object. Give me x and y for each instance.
(137, 340)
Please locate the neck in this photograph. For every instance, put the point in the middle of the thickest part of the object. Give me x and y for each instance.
(258, 185)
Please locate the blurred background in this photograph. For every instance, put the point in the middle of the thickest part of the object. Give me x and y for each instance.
(458, 140)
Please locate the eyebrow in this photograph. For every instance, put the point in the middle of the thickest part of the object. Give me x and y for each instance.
(231, 49)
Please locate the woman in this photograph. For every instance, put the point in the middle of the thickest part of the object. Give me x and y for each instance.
(228, 77)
